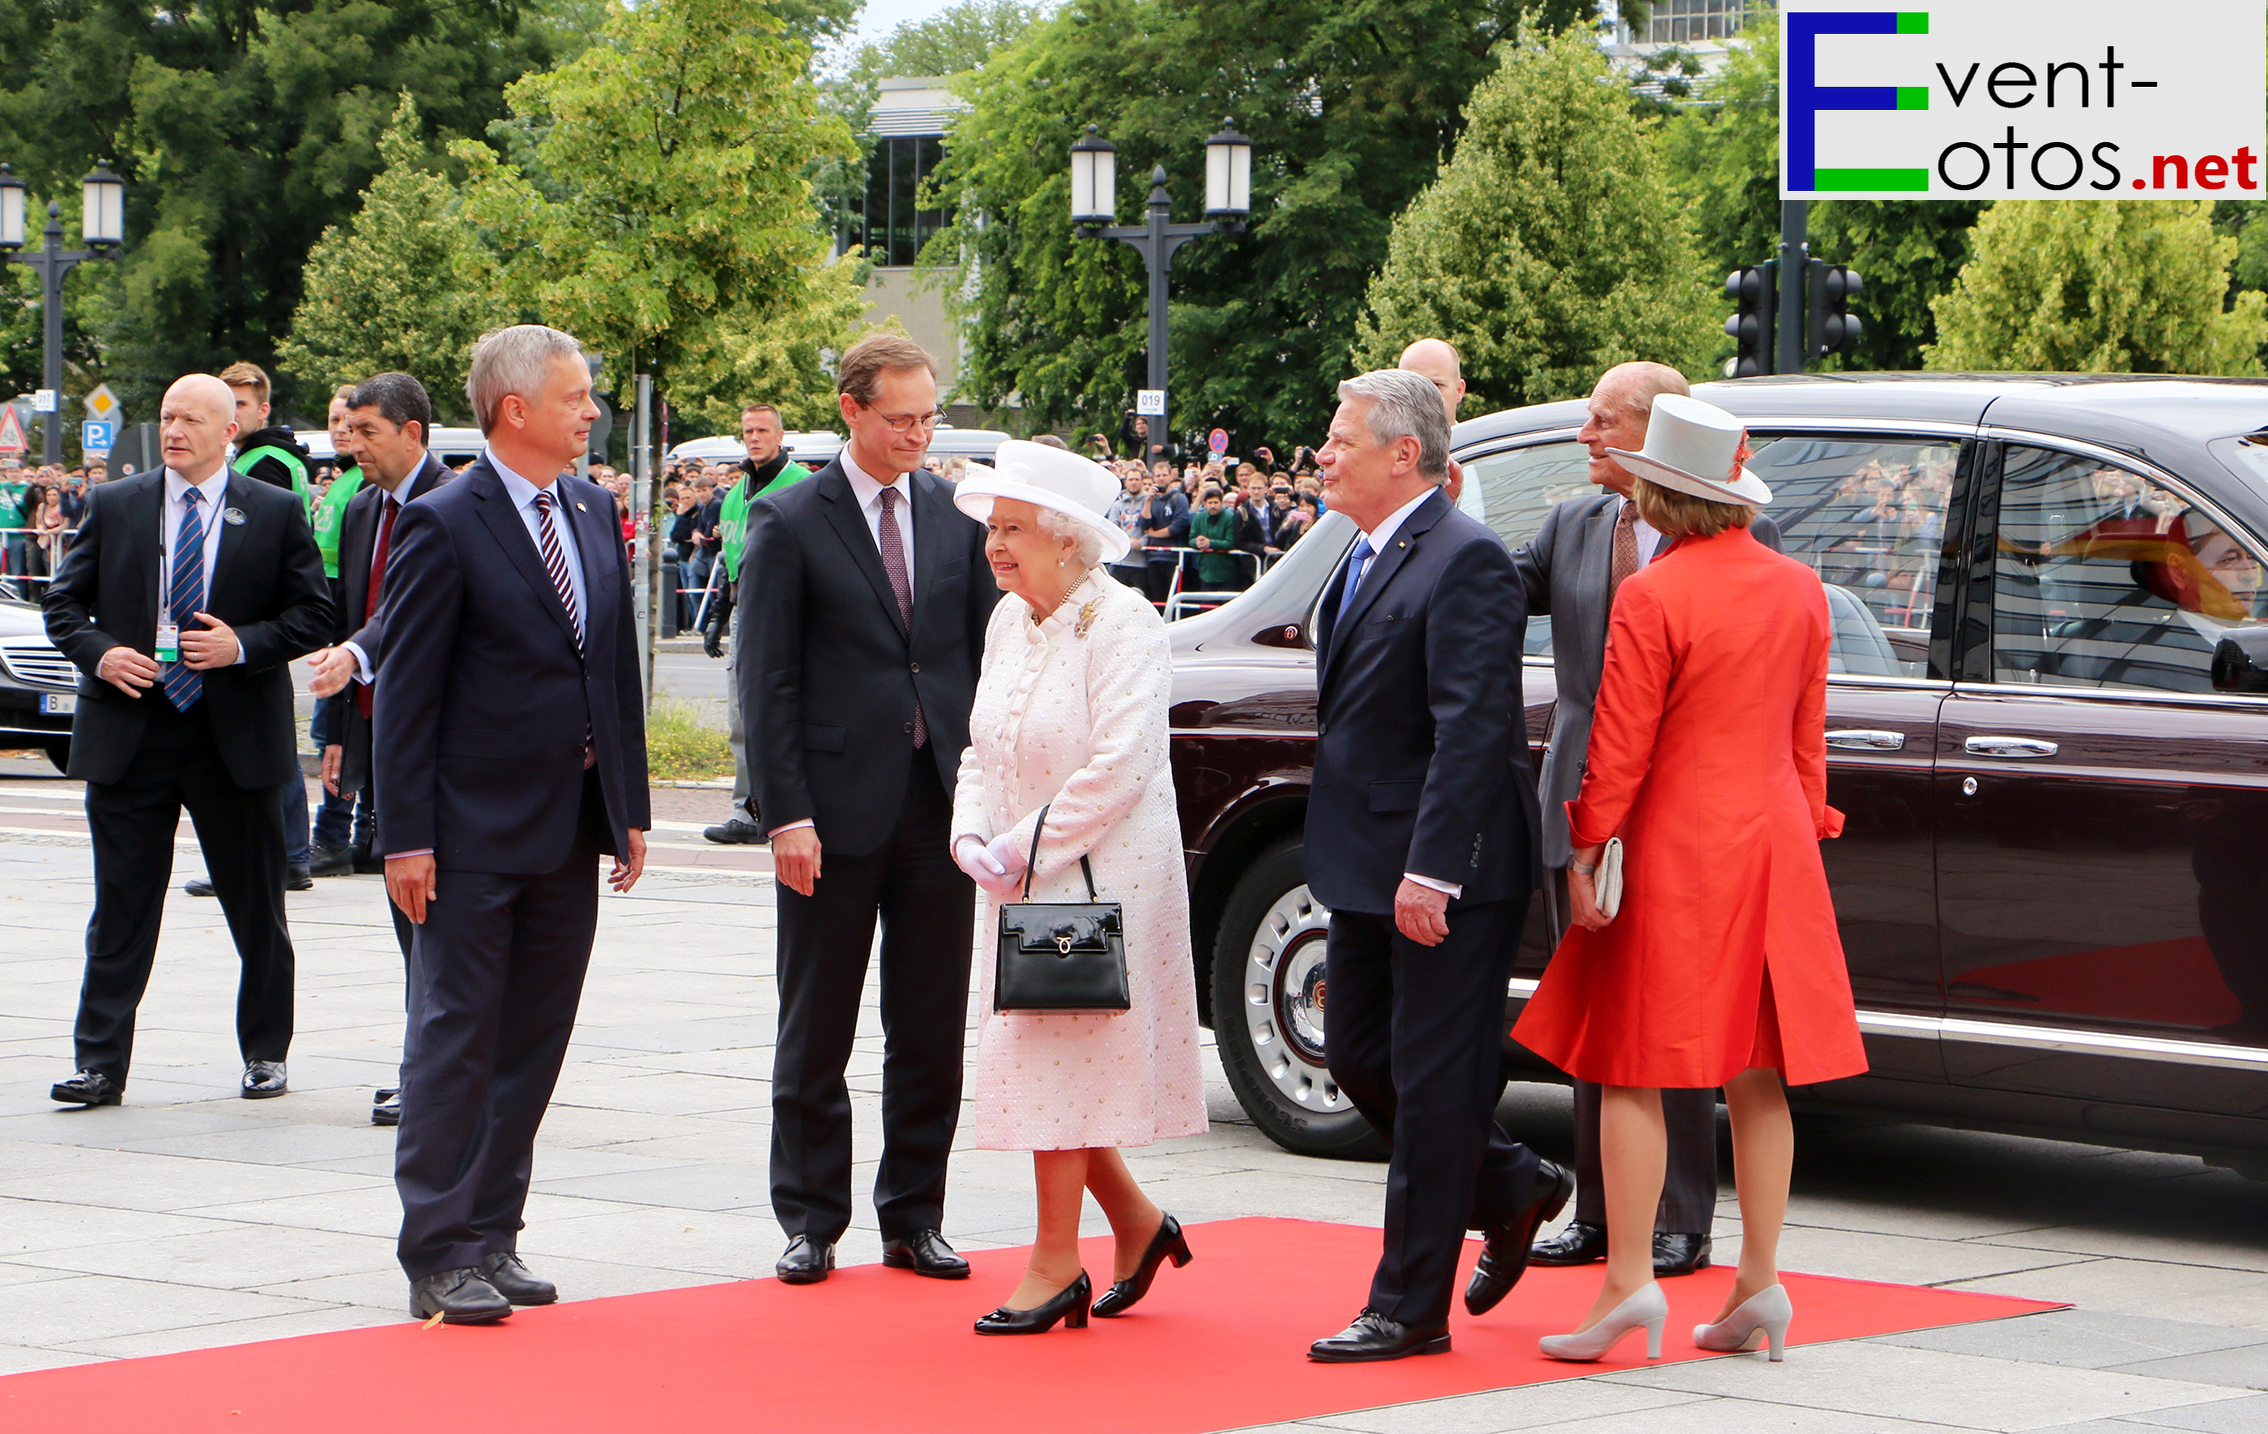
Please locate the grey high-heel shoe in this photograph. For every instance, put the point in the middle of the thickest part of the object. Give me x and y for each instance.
(1764, 1314)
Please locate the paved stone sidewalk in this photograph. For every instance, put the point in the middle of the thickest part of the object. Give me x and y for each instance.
(189, 1218)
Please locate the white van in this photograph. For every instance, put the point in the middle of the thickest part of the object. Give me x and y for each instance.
(451, 445)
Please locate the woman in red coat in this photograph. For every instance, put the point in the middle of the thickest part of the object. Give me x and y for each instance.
(1721, 965)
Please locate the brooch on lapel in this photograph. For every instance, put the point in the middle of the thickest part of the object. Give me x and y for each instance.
(580, 508)
(1086, 618)
(234, 517)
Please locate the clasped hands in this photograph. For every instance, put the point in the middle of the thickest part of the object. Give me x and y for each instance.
(202, 650)
(995, 865)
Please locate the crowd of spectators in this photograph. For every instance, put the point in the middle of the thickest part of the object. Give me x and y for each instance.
(39, 507)
(1216, 524)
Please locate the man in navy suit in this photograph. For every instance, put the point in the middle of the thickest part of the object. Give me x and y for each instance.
(510, 743)
(1420, 838)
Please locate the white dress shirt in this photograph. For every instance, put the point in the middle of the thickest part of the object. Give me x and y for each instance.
(523, 494)
(868, 490)
(213, 493)
(1382, 537)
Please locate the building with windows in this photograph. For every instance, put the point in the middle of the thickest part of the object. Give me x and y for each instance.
(908, 133)
(1694, 23)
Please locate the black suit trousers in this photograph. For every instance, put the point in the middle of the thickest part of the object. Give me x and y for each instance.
(132, 820)
(496, 975)
(928, 911)
(1416, 1036)
(1689, 1119)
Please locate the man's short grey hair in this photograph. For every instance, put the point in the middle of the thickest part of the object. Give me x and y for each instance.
(513, 360)
(1405, 405)
(1086, 543)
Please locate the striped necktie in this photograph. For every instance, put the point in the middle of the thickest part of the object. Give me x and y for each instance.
(555, 562)
(184, 687)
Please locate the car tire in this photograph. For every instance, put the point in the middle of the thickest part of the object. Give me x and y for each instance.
(1267, 1008)
(59, 752)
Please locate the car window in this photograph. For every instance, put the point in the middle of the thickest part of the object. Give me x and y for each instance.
(1867, 513)
(1512, 489)
(2104, 578)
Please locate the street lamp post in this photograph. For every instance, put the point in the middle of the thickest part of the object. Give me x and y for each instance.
(1094, 204)
(103, 226)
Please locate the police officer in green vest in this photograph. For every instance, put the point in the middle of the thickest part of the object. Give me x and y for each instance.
(767, 469)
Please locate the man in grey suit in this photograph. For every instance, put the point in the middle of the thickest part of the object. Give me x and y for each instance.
(1571, 569)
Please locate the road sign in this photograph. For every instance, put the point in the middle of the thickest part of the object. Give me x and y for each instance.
(1150, 402)
(12, 438)
(1217, 440)
(43, 400)
(95, 437)
(103, 404)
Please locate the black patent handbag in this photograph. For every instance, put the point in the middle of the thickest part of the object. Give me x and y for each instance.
(1060, 955)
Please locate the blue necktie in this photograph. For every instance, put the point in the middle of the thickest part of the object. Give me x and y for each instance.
(1357, 565)
(182, 686)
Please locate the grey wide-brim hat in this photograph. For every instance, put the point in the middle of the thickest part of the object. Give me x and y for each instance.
(1046, 478)
(1694, 448)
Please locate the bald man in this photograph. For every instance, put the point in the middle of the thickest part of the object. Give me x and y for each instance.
(1583, 551)
(1436, 361)
(182, 602)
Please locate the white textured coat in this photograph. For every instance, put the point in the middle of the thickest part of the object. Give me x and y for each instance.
(1071, 714)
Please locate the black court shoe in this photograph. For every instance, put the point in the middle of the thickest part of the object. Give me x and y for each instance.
(1069, 1307)
(1166, 1243)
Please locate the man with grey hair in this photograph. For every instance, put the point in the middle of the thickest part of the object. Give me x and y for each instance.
(1570, 571)
(1420, 838)
(510, 747)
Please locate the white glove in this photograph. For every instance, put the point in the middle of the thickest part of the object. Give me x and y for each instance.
(1006, 854)
(974, 858)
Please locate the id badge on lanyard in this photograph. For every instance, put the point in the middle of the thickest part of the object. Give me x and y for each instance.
(168, 631)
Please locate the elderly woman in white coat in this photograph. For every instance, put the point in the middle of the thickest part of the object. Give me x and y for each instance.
(1070, 716)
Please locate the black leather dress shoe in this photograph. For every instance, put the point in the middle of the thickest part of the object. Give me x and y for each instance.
(1373, 1337)
(459, 1297)
(1676, 1254)
(806, 1262)
(510, 1278)
(298, 878)
(198, 886)
(1505, 1257)
(87, 1088)
(265, 1080)
(386, 1108)
(925, 1253)
(737, 830)
(1167, 1243)
(331, 861)
(1578, 1244)
(1069, 1305)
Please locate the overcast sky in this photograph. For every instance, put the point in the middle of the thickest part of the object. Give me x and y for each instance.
(880, 17)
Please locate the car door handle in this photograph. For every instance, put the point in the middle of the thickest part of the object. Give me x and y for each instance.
(1866, 739)
(2019, 748)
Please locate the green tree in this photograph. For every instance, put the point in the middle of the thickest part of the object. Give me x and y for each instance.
(2119, 286)
(1351, 105)
(1549, 248)
(382, 290)
(656, 203)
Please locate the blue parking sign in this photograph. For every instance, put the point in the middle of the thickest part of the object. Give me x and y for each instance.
(95, 435)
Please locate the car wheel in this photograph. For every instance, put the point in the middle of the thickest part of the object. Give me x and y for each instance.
(1268, 1003)
(59, 752)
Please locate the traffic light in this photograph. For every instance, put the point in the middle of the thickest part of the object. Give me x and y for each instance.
(1829, 326)
(1750, 327)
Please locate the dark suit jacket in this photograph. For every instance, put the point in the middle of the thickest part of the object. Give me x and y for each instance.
(267, 583)
(1254, 533)
(1564, 571)
(482, 700)
(358, 543)
(828, 672)
(1421, 758)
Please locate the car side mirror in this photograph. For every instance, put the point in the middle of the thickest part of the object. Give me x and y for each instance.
(2240, 661)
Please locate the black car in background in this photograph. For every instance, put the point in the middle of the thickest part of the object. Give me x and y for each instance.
(2053, 888)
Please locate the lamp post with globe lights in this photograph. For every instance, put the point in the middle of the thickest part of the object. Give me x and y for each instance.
(102, 225)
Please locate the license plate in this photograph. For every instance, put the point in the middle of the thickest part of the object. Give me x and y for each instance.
(59, 704)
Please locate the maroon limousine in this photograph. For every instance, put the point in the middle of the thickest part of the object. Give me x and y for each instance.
(2047, 724)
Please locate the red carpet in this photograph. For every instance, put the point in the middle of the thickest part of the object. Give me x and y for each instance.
(1217, 1345)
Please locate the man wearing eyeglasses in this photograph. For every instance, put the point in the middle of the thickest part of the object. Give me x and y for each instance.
(862, 617)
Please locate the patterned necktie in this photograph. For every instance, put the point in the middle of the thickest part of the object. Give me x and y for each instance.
(182, 686)
(1357, 567)
(363, 692)
(1625, 560)
(894, 563)
(555, 563)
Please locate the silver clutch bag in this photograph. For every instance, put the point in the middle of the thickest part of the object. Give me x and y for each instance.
(1609, 878)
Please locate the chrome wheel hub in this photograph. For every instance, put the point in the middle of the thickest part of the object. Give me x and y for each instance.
(1284, 1000)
